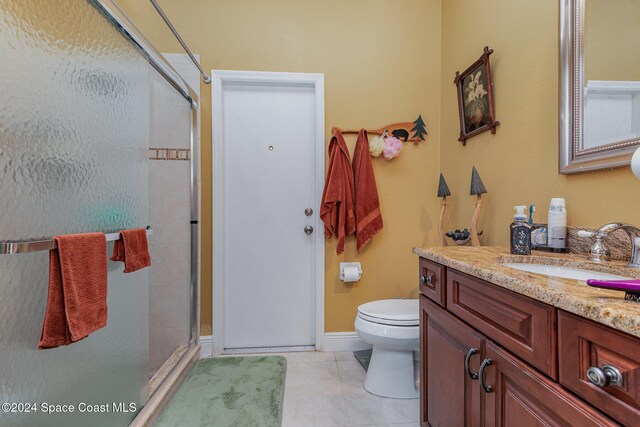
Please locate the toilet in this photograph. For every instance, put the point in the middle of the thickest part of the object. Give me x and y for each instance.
(391, 326)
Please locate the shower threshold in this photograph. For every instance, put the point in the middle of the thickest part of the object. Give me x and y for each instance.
(162, 373)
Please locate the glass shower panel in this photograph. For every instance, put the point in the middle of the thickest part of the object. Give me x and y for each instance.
(170, 180)
(74, 132)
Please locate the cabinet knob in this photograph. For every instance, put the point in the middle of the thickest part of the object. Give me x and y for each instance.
(605, 376)
(483, 365)
(426, 279)
(467, 358)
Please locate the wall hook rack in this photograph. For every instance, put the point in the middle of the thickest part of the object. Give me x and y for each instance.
(414, 131)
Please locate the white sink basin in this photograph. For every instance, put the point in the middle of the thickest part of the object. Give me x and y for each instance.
(563, 272)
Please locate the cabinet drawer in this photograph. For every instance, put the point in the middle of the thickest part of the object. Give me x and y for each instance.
(432, 277)
(586, 344)
(521, 396)
(521, 325)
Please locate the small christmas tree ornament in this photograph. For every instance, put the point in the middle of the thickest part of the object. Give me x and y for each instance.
(420, 131)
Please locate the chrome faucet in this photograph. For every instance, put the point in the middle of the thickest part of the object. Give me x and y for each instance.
(599, 252)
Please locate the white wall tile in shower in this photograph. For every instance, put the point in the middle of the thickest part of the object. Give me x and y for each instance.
(167, 181)
(163, 301)
(171, 222)
(170, 126)
(171, 264)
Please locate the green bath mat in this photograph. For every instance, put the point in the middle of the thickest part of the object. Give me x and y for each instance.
(229, 392)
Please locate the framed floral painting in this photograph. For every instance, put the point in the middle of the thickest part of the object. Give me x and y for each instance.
(475, 98)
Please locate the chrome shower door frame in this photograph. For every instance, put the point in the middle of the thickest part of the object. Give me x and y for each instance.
(111, 11)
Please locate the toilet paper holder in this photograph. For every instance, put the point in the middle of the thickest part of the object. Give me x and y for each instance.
(347, 269)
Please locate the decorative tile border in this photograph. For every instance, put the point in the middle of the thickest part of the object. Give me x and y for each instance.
(169, 154)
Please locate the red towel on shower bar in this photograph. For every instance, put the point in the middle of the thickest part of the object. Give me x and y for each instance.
(368, 214)
(132, 249)
(336, 210)
(77, 299)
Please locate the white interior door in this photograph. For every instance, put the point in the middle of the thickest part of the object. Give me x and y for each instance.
(268, 137)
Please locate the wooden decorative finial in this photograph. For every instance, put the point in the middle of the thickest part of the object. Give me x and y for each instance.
(477, 186)
(477, 189)
(443, 188)
(443, 191)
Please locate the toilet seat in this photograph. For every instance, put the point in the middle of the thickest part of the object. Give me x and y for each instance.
(388, 322)
(391, 312)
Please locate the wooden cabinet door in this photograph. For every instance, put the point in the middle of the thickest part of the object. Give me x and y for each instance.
(521, 396)
(449, 396)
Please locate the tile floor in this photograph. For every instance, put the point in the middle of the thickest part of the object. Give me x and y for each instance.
(326, 390)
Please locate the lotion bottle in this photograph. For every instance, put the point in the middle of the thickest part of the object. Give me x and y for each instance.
(520, 232)
(557, 224)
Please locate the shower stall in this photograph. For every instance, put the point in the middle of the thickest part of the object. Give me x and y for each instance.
(98, 132)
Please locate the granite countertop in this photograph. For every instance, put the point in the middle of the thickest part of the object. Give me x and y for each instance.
(604, 306)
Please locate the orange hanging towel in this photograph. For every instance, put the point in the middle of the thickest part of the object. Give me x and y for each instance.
(77, 299)
(337, 210)
(132, 249)
(368, 214)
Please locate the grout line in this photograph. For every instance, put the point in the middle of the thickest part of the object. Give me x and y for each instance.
(344, 399)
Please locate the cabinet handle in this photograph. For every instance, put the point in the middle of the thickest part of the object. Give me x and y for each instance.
(467, 358)
(426, 279)
(484, 364)
(602, 377)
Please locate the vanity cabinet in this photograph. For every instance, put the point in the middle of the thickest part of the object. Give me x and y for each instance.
(489, 357)
(448, 374)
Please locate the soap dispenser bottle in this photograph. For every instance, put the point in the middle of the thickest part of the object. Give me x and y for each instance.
(520, 232)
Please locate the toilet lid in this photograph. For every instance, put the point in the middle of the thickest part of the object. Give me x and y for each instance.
(400, 312)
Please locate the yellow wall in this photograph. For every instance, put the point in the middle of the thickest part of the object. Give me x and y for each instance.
(385, 61)
(612, 40)
(381, 60)
(519, 164)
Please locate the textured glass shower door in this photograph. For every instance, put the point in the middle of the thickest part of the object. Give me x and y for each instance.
(74, 139)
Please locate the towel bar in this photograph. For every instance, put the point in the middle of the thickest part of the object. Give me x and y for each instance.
(7, 248)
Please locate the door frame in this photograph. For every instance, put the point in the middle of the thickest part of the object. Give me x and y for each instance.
(221, 78)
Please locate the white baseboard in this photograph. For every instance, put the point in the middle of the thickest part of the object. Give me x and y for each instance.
(344, 341)
(333, 341)
(206, 346)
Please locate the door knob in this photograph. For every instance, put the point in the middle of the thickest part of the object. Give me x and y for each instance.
(426, 279)
(308, 229)
(308, 212)
(608, 375)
